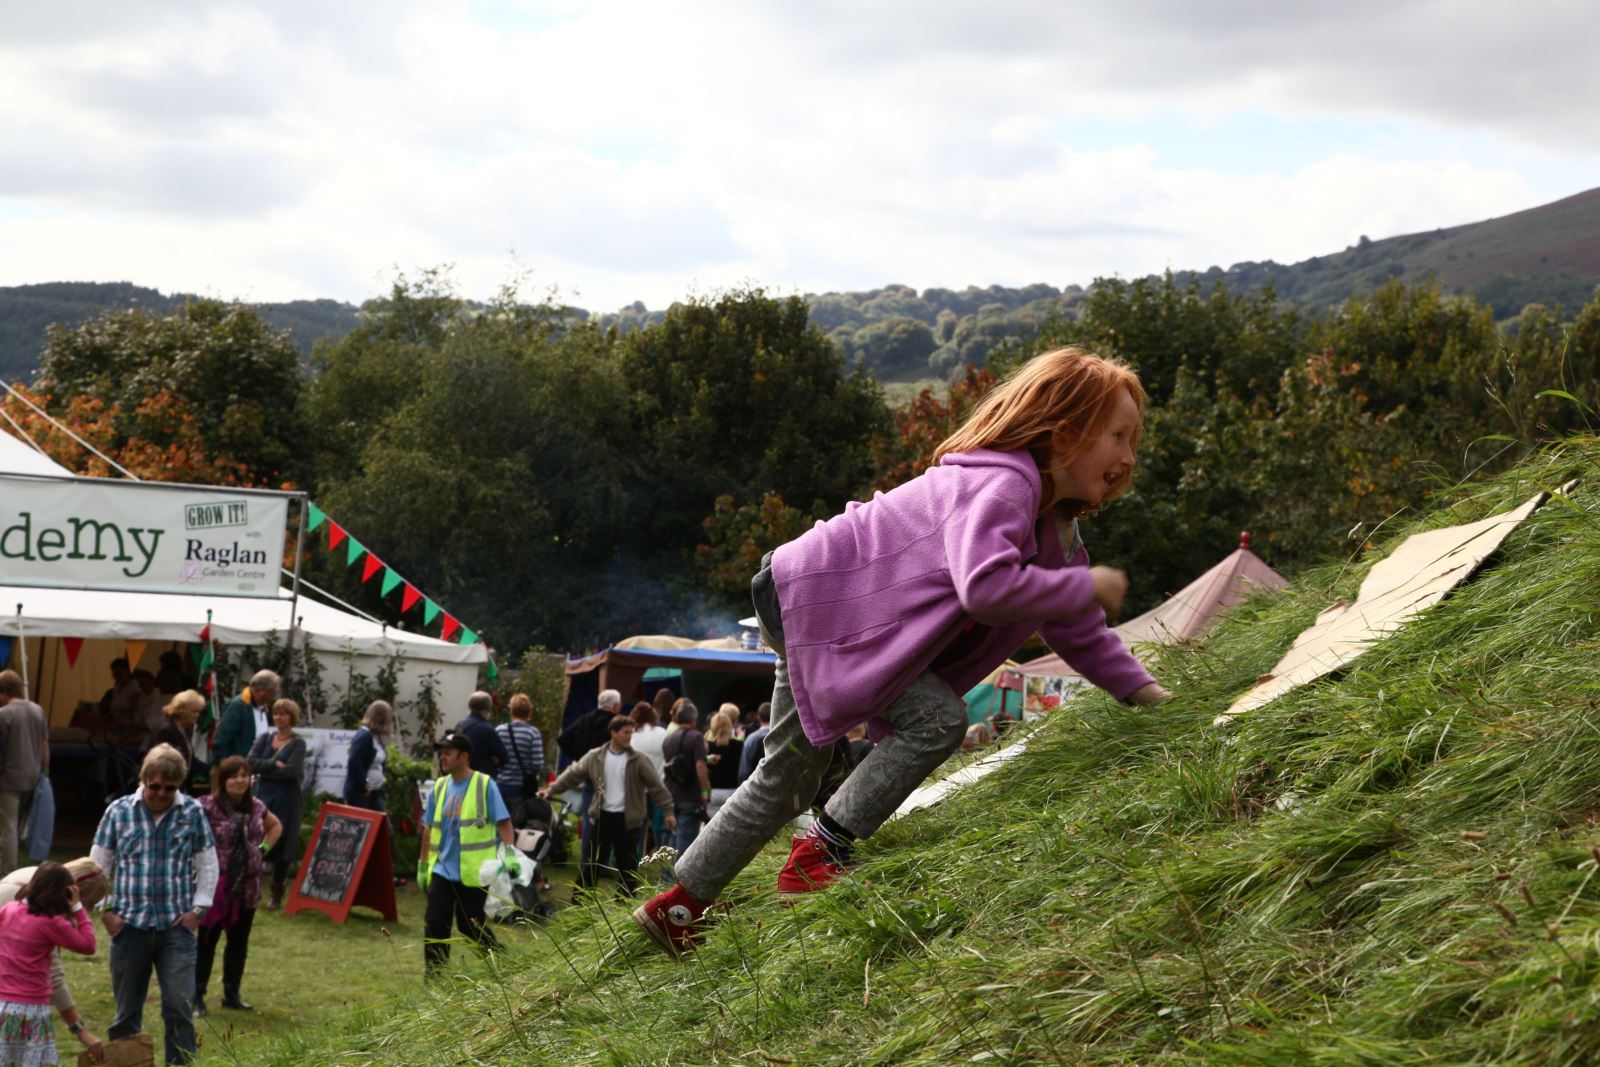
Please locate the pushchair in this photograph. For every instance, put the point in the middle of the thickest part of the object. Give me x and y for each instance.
(536, 826)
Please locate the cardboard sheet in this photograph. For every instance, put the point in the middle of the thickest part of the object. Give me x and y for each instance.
(1417, 575)
(929, 795)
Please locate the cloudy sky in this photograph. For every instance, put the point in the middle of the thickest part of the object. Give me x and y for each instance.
(651, 151)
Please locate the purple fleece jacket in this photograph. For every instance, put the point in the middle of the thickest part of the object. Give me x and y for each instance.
(953, 570)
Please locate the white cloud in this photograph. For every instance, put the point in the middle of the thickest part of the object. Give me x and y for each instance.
(635, 150)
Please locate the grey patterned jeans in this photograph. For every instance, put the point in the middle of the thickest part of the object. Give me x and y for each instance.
(929, 723)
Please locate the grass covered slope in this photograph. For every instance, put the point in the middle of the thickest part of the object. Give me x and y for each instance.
(1396, 866)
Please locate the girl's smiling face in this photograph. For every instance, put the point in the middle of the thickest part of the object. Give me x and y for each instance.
(1091, 476)
(239, 784)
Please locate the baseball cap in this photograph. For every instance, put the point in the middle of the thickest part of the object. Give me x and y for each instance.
(454, 739)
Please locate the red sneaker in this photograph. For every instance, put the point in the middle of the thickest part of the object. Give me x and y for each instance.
(672, 919)
(812, 866)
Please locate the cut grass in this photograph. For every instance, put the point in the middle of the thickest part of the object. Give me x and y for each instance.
(1395, 866)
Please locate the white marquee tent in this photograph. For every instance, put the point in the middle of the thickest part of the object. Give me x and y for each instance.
(113, 622)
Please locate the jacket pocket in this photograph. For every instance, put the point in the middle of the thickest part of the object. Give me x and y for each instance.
(865, 639)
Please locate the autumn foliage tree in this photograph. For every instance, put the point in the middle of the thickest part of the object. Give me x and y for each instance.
(209, 394)
(159, 440)
(925, 421)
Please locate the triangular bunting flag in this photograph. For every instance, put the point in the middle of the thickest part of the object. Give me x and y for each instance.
(371, 567)
(353, 552)
(315, 516)
(468, 637)
(451, 625)
(409, 598)
(335, 535)
(390, 580)
(430, 611)
(135, 652)
(73, 645)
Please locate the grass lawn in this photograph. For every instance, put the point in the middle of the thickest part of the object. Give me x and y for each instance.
(304, 970)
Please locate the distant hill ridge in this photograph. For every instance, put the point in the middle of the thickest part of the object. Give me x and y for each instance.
(1548, 254)
(26, 311)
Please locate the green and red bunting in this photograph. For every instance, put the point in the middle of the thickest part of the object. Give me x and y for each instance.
(450, 629)
(206, 661)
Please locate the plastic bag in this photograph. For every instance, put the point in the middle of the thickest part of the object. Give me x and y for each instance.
(507, 870)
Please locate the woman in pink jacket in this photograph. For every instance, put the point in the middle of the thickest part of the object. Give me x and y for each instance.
(886, 613)
(47, 914)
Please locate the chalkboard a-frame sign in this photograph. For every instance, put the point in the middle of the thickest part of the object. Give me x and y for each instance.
(346, 863)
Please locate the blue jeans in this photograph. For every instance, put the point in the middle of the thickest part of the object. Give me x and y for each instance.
(688, 826)
(583, 812)
(172, 953)
(653, 831)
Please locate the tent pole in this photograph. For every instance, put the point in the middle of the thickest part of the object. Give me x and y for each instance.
(22, 644)
(299, 545)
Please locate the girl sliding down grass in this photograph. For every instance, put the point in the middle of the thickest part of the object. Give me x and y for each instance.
(887, 613)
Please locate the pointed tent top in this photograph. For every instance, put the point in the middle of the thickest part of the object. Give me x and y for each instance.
(1190, 611)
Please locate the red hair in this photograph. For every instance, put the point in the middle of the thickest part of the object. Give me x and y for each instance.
(1066, 395)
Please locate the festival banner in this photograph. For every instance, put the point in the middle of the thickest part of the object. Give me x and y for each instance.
(141, 536)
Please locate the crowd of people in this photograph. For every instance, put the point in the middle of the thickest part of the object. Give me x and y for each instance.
(178, 869)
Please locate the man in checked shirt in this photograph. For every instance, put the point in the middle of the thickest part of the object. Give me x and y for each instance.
(155, 844)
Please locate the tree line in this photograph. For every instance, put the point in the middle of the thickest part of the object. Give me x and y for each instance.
(563, 482)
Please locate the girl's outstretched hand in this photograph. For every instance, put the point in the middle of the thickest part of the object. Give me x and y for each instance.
(1110, 586)
(1151, 693)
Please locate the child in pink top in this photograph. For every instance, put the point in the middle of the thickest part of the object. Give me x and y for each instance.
(885, 614)
(46, 914)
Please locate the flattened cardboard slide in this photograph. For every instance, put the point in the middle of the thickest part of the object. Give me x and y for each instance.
(929, 795)
(1416, 576)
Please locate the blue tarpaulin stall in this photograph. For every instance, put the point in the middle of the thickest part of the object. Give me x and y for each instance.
(709, 676)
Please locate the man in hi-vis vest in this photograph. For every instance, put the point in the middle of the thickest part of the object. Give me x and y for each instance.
(465, 819)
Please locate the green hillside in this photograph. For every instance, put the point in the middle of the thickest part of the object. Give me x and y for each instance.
(1393, 867)
(1548, 254)
(27, 311)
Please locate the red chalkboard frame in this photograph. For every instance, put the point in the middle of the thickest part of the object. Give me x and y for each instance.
(372, 885)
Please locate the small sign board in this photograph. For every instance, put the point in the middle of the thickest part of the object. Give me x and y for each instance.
(347, 863)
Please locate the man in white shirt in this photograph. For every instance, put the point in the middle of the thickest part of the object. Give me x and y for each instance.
(156, 847)
(621, 779)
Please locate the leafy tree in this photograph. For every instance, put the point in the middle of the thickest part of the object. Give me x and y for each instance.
(373, 370)
(925, 421)
(894, 348)
(741, 397)
(491, 479)
(738, 537)
(1160, 325)
(161, 440)
(212, 386)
